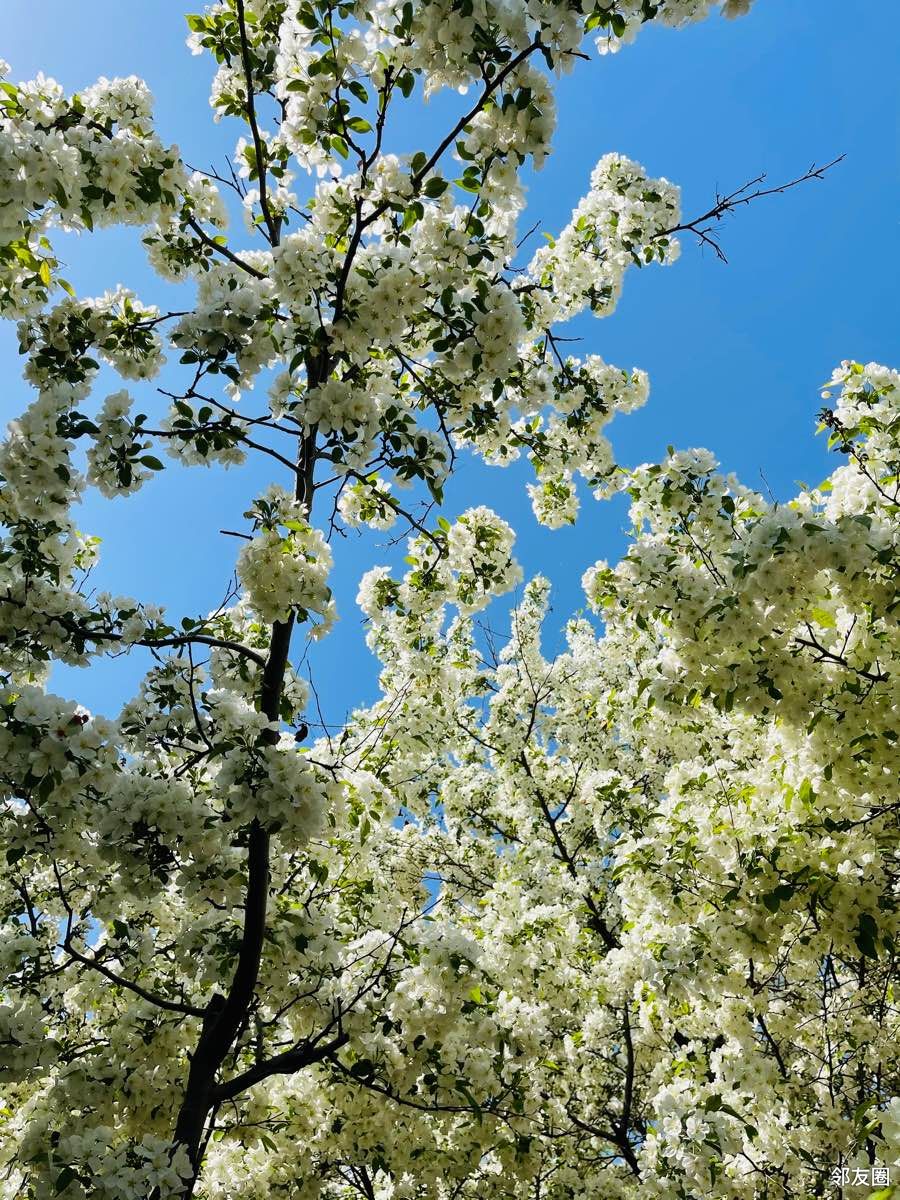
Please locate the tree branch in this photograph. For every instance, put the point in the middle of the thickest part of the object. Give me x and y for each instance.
(293, 1060)
(221, 248)
(273, 224)
(702, 226)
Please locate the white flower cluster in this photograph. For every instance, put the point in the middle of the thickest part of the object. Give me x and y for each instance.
(40, 481)
(716, 561)
(28, 1045)
(465, 565)
(367, 502)
(479, 553)
(78, 162)
(41, 607)
(274, 785)
(554, 502)
(263, 775)
(99, 1162)
(173, 249)
(58, 341)
(36, 459)
(233, 319)
(114, 462)
(622, 26)
(285, 567)
(625, 219)
(890, 1130)
(586, 396)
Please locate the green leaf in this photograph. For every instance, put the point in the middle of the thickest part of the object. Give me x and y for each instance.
(773, 900)
(150, 460)
(867, 936)
(822, 618)
(414, 213)
(66, 1176)
(363, 1068)
(463, 1090)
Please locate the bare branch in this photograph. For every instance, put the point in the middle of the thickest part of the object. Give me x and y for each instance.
(703, 226)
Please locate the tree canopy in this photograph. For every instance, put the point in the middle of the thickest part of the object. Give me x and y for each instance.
(619, 922)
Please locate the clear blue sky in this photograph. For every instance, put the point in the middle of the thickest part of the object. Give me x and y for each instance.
(735, 353)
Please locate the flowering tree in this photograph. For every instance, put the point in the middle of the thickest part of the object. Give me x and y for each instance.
(618, 924)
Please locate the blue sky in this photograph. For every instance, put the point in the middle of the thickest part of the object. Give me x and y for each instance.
(735, 353)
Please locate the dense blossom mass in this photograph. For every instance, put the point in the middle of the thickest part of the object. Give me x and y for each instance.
(617, 924)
